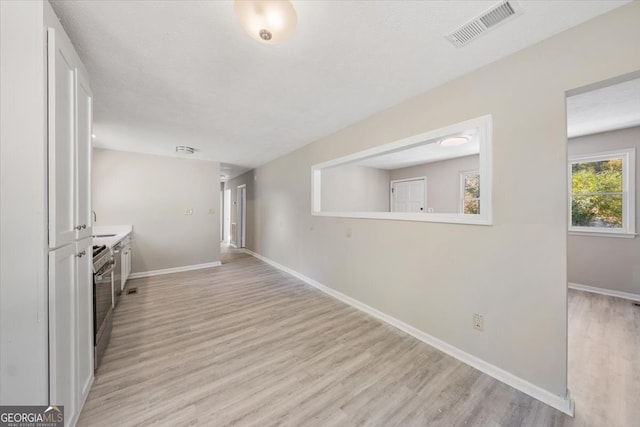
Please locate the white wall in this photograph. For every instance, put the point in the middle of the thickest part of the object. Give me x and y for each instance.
(352, 188)
(436, 276)
(607, 262)
(151, 193)
(443, 181)
(24, 369)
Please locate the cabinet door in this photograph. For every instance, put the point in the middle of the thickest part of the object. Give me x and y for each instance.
(84, 319)
(61, 135)
(62, 327)
(84, 105)
(123, 265)
(129, 259)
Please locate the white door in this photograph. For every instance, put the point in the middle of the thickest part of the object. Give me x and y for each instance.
(62, 329)
(408, 195)
(84, 319)
(83, 156)
(61, 87)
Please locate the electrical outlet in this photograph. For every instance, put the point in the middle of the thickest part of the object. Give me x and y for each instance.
(478, 322)
(212, 211)
(188, 211)
(348, 232)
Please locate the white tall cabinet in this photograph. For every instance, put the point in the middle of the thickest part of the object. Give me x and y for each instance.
(46, 292)
(70, 248)
(69, 132)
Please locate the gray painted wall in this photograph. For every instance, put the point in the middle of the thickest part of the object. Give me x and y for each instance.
(24, 363)
(443, 181)
(352, 188)
(435, 276)
(247, 179)
(151, 193)
(607, 262)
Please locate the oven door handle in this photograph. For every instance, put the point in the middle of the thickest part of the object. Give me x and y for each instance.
(106, 270)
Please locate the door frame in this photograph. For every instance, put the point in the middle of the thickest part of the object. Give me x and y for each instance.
(226, 216)
(241, 215)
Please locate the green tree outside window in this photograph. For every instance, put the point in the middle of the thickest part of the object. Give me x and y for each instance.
(597, 193)
(471, 196)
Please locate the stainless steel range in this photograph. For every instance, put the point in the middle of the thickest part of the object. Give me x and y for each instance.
(103, 267)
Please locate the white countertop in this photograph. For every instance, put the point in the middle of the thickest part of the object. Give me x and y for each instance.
(118, 232)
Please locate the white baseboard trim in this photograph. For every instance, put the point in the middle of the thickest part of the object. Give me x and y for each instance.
(602, 291)
(173, 270)
(561, 403)
(75, 419)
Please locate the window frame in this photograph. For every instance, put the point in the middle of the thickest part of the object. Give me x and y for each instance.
(628, 229)
(461, 189)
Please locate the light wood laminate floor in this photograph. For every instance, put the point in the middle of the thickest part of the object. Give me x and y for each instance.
(245, 344)
(604, 360)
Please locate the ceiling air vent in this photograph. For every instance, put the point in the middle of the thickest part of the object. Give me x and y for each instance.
(481, 24)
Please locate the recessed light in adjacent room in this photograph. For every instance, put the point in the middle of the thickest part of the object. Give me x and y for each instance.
(453, 141)
(93, 135)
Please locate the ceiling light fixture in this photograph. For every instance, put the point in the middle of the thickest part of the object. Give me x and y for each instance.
(453, 141)
(185, 149)
(267, 21)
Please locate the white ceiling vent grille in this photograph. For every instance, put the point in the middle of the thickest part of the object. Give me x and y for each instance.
(481, 24)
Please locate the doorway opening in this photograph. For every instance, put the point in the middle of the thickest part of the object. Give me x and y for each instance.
(226, 215)
(241, 216)
(603, 139)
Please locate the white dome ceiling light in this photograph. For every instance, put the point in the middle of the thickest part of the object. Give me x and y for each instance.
(267, 21)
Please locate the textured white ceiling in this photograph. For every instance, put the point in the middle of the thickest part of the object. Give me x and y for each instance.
(427, 152)
(601, 110)
(167, 73)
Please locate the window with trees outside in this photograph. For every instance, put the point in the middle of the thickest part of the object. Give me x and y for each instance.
(602, 193)
(470, 192)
